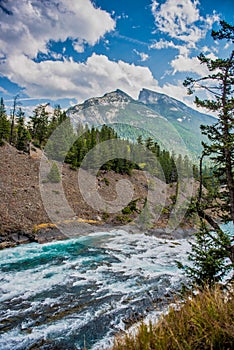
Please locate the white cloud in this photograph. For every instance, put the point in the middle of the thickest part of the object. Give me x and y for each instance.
(205, 49)
(70, 79)
(143, 56)
(164, 44)
(29, 31)
(183, 63)
(181, 20)
(78, 46)
(34, 23)
(3, 90)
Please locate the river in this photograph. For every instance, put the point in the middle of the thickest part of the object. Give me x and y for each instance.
(84, 290)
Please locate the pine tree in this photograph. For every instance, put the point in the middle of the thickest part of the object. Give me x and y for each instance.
(221, 138)
(4, 124)
(39, 124)
(23, 135)
(54, 174)
(211, 248)
(61, 139)
(209, 258)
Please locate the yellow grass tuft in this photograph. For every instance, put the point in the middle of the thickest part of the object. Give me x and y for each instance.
(51, 225)
(43, 226)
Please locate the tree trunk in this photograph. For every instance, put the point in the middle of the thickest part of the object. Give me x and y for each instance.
(226, 138)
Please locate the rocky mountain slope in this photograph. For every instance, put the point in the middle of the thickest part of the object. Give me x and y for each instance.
(186, 120)
(173, 124)
(23, 217)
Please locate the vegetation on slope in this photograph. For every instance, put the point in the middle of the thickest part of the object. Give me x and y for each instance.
(204, 321)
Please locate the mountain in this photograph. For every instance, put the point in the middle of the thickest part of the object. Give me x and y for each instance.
(174, 125)
(186, 120)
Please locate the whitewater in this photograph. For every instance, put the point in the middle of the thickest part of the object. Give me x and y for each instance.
(84, 290)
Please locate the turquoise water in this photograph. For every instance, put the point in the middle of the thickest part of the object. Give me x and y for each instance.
(84, 290)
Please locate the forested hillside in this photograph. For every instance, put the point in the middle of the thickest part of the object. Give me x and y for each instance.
(61, 141)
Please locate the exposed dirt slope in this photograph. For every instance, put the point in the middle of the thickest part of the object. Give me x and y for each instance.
(22, 208)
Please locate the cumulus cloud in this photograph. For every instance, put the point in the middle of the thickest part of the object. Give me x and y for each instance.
(181, 20)
(70, 79)
(28, 31)
(184, 26)
(34, 23)
(183, 63)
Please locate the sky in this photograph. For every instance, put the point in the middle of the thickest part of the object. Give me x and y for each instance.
(66, 51)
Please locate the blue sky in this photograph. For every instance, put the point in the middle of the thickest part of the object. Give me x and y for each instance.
(66, 51)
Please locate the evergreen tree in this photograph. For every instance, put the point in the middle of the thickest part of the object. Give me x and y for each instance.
(4, 124)
(39, 124)
(209, 257)
(211, 248)
(140, 140)
(54, 174)
(220, 84)
(62, 137)
(57, 118)
(23, 135)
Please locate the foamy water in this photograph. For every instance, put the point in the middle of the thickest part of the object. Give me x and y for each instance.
(83, 291)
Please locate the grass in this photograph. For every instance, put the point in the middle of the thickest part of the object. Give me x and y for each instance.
(43, 226)
(203, 321)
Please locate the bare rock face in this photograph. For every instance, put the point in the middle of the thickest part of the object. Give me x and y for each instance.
(49, 235)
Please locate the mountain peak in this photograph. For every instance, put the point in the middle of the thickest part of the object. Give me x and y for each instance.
(148, 96)
(118, 95)
(153, 112)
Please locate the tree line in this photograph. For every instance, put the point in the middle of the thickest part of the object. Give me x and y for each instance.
(63, 141)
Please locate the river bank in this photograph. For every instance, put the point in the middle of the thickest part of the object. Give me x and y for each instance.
(52, 233)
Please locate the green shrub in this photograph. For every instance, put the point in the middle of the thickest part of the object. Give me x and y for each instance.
(123, 219)
(105, 216)
(36, 143)
(131, 207)
(126, 211)
(54, 174)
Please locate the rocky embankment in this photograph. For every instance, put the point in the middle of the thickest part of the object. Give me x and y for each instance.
(24, 219)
